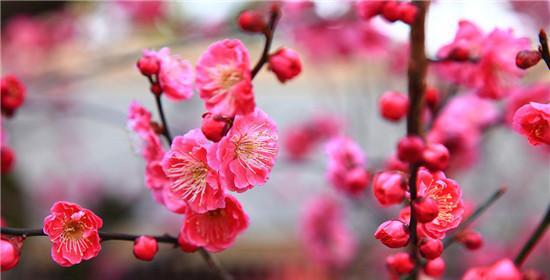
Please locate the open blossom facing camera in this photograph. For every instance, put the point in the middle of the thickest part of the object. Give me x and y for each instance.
(192, 177)
(533, 121)
(346, 159)
(325, 235)
(73, 231)
(246, 155)
(175, 75)
(217, 229)
(448, 196)
(224, 80)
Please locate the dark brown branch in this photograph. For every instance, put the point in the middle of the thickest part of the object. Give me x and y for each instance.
(543, 48)
(533, 239)
(165, 129)
(416, 74)
(480, 210)
(268, 34)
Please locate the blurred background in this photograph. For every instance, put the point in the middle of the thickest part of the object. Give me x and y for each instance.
(77, 60)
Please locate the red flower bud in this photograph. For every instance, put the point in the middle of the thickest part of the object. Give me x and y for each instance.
(8, 159)
(285, 63)
(425, 209)
(10, 250)
(407, 13)
(459, 53)
(215, 127)
(435, 268)
(393, 105)
(471, 239)
(431, 248)
(389, 187)
(357, 180)
(12, 94)
(368, 9)
(185, 245)
(527, 59)
(410, 149)
(148, 65)
(391, 11)
(394, 234)
(252, 21)
(145, 248)
(400, 263)
(436, 157)
(156, 89)
(432, 97)
(531, 274)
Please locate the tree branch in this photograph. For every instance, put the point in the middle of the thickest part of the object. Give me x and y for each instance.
(268, 34)
(535, 237)
(543, 48)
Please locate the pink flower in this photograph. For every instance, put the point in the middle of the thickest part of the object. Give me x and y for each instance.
(224, 79)
(145, 248)
(217, 229)
(325, 235)
(175, 74)
(399, 264)
(496, 72)
(393, 234)
(10, 251)
(533, 121)
(448, 196)
(13, 94)
(389, 187)
(73, 231)
(144, 12)
(193, 180)
(393, 105)
(146, 141)
(247, 154)
(285, 63)
(501, 270)
(520, 96)
(345, 156)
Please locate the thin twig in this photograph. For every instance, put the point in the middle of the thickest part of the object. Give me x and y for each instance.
(165, 129)
(543, 48)
(268, 34)
(533, 239)
(480, 210)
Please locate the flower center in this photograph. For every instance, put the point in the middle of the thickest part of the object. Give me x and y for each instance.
(444, 201)
(228, 77)
(73, 230)
(191, 176)
(255, 150)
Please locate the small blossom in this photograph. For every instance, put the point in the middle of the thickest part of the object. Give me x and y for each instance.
(533, 121)
(146, 141)
(503, 269)
(431, 248)
(527, 58)
(407, 12)
(393, 105)
(252, 21)
(285, 63)
(215, 127)
(410, 148)
(393, 234)
(192, 178)
(8, 159)
(448, 196)
(10, 251)
(73, 231)
(389, 187)
(248, 152)
(148, 64)
(145, 248)
(425, 209)
(400, 263)
(369, 9)
(436, 157)
(432, 97)
(175, 74)
(345, 156)
(217, 229)
(520, 96)
(390, 11)
(471, 239)
(13, 94)
(224, 79)
(435, 267)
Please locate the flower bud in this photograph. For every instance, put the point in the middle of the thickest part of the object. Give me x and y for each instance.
(400, 263)
(156, 89)
(459, 53)
(431, 248)
(393, 234)
(432, 97)
(285, 63)
(148, 65)
(185, 245)
(425, 209)
(436, 157)
(435, 267)
(470, 239)
(10, 251)
(12, 94)
(393, 105)
(389, 187)
(410, 149)
(407, 13)
(357, 180)
(252, 21)
(215, 127)
(8, 159)
(145, 248)
(368, 9)
(527, 59)
(390, 11)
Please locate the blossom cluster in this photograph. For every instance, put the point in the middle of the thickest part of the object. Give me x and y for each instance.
(13, 94)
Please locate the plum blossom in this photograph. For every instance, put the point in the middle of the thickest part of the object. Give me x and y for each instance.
(448, 196)
(12, 94)
(533, 121)
(175, 74)
(345, 159)
(223, 78)
(503, 269)
(324, 233)
(10, 251)
(192, 177)
(496, 72)
(73, 231)
(520, 96)
(146, 141)
(246, 155)
(217, 229)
